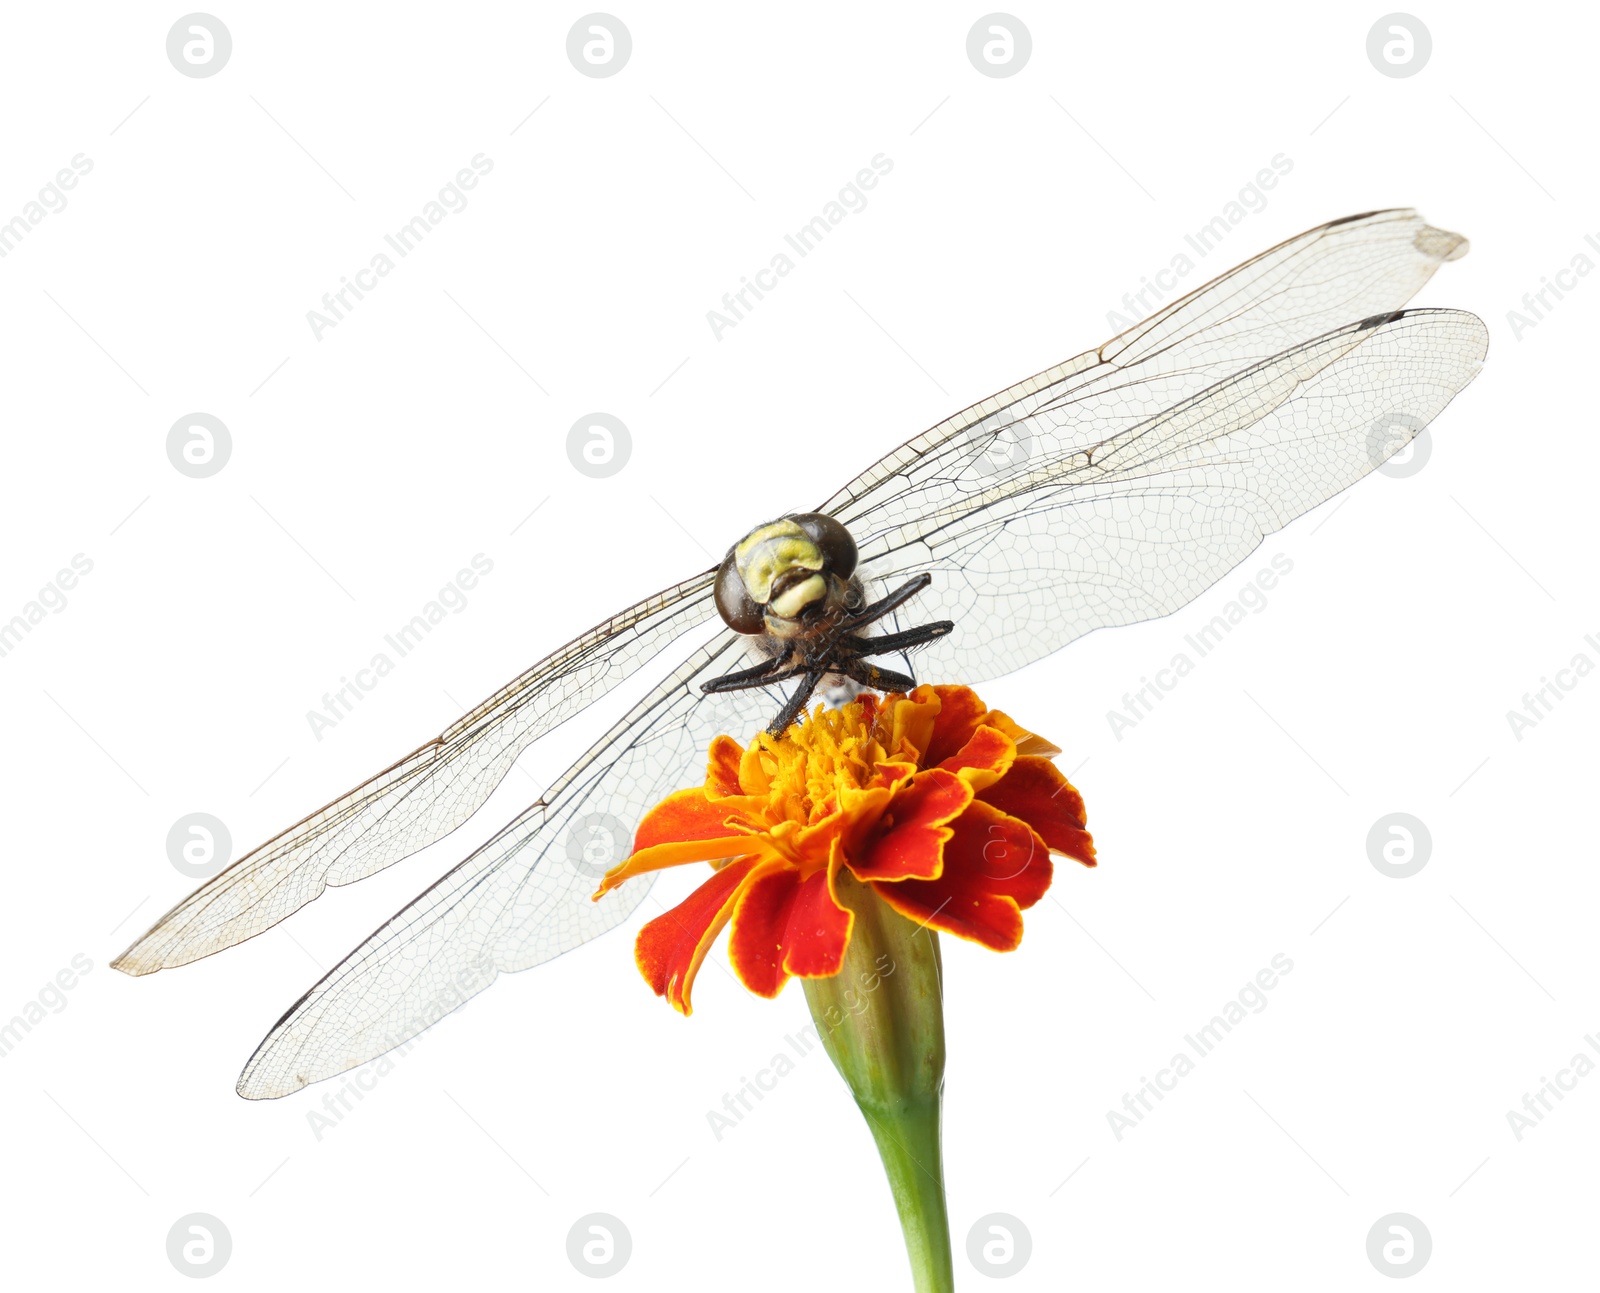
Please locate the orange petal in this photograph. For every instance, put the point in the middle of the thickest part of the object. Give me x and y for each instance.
(678, 853)
(683, 815)
(866, 804)
(862, 810)
(722, 768)
(753, 774)
(912, 846)
(671, 947)
(909, 722)
(994, 868)
(812, 845)
(784, 925)
(1027, 742)
(1035, 791)
(984, 759)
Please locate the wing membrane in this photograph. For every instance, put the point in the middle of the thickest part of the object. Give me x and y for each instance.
(424, 796)
(1161, 511)
(1310, 285)
(521, 899)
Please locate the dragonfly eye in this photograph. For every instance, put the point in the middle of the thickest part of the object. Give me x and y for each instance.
(832, 539)
(738, 609)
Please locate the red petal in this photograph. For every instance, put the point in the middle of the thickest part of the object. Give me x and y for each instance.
(994, 868)
(984, 759)
(960, 712)
(819, 929)
(891, 772)
(913, 846)
(755, 944)
(671, 947)
(1035, 791)
(784, 926)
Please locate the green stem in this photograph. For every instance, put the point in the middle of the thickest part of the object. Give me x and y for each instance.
(881, 1020)
(908, 1143)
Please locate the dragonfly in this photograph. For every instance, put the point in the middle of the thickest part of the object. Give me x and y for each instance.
(1113, 488)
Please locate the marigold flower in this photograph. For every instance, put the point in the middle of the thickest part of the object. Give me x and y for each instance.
(944, 809)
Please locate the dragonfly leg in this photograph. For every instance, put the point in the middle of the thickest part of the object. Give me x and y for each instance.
(893, 601)
(876, 677)
(902, 641)
(797, 703)
(774, 670)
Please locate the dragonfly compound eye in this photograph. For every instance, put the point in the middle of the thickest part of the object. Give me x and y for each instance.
(833, 541)
(738, 609)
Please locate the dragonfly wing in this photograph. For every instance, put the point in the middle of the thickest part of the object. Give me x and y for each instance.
(521, 899)
(424, 796)
(1156, 513)
(1312, 284)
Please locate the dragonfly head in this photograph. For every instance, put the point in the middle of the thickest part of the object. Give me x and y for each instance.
(782, 576)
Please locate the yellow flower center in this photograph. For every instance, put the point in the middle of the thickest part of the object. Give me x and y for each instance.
(810, 764)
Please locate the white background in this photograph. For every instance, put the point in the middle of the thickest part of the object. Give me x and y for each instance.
(369, 465)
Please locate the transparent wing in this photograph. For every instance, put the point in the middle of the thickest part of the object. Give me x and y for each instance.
(522, 898)
(424, 796)
(1327, 277)
(1153, 515)
(978, 501)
